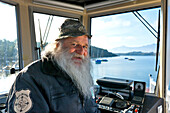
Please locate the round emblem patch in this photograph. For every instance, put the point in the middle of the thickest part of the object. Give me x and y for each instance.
(23, 101)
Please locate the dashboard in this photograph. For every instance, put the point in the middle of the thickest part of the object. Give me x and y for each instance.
(125, 96)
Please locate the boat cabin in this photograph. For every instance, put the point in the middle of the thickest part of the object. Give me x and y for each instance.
(129, 48)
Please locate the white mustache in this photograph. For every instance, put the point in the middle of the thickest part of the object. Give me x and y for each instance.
(77, 55)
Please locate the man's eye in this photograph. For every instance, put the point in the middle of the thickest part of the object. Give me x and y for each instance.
(73, 44)
(85, 47)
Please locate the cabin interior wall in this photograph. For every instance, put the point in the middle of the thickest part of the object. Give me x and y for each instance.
(25, 33)
(86, 20)
(162, 51)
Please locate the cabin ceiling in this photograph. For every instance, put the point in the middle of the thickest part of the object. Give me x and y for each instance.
(81, 4)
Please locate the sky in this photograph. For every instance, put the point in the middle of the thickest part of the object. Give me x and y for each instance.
(123, 30)
(108, 31)
(7, 22)
(54, 29)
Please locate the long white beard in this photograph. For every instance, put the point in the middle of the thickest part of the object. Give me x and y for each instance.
(80, 74)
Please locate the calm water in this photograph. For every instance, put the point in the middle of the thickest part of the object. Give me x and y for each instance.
(118, 67)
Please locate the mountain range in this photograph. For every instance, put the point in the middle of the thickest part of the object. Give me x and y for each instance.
(125, 49)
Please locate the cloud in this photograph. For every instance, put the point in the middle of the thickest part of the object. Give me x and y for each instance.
(112, 41)
(8, 27)
(129, 38)
(108, 25)
(126, 23)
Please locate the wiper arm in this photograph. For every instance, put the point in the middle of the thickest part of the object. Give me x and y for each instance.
(158, 33)
(158, 40)
(137, 15)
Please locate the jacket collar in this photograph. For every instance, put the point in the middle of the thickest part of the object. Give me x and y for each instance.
(48, 67)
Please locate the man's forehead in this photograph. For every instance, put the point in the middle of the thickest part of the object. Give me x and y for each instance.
(77, 39)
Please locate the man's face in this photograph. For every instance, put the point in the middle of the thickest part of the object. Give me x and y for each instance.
(78, 45)
(71, 54)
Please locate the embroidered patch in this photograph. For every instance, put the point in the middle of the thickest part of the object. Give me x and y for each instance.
(23, 101)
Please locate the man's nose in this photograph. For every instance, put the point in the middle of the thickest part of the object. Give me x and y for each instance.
(80, 50)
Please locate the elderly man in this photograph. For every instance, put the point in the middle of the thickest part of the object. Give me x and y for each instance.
(60, 82)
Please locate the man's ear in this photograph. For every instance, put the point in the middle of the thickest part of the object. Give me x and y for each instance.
(57, 45)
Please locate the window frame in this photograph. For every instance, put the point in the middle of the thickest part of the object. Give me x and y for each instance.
(19, 36)
(32, 10)
(126, 11)
(18, 28)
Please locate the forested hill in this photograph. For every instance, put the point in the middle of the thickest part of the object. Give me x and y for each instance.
(8, 50)
(99, 52)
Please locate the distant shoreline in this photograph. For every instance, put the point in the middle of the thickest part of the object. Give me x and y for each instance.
(139, 53)
(136, 55)
(100, 53)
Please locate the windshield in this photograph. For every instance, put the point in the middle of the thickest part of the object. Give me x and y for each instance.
(46, 29)
(122, 47)
(8, 46)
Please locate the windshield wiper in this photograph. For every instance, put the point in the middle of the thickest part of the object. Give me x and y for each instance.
(144, 21)
(158, 33)
(158, 40)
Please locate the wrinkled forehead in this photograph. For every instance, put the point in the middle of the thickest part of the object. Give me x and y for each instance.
(80, 39)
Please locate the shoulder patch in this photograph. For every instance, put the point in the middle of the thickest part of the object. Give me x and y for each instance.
(23, 101)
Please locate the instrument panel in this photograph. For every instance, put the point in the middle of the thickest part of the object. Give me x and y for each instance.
(120, 96)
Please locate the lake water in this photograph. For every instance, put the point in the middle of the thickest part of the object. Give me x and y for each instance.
(119, 67)
(116, 67)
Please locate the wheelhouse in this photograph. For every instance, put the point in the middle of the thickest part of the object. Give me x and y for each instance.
(131, 40)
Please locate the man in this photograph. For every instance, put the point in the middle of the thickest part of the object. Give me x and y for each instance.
(60, 82)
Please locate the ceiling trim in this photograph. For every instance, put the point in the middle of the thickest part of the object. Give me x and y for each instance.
(59, 5)
(69, 6)
(125, 7)
(105, 4)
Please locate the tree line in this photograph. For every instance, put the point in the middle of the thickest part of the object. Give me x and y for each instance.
(8, 51)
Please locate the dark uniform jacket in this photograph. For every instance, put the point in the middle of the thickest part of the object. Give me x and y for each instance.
(42, 87)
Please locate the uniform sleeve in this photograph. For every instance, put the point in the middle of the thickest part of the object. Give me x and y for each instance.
(91, 106)
(25, 96)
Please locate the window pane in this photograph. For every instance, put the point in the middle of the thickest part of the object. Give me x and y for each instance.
(47, 28)
(134, 45)
(8, 46)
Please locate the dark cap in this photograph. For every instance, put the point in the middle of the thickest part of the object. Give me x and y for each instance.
(72, 28)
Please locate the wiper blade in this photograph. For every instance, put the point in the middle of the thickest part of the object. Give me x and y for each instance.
(158, 40)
